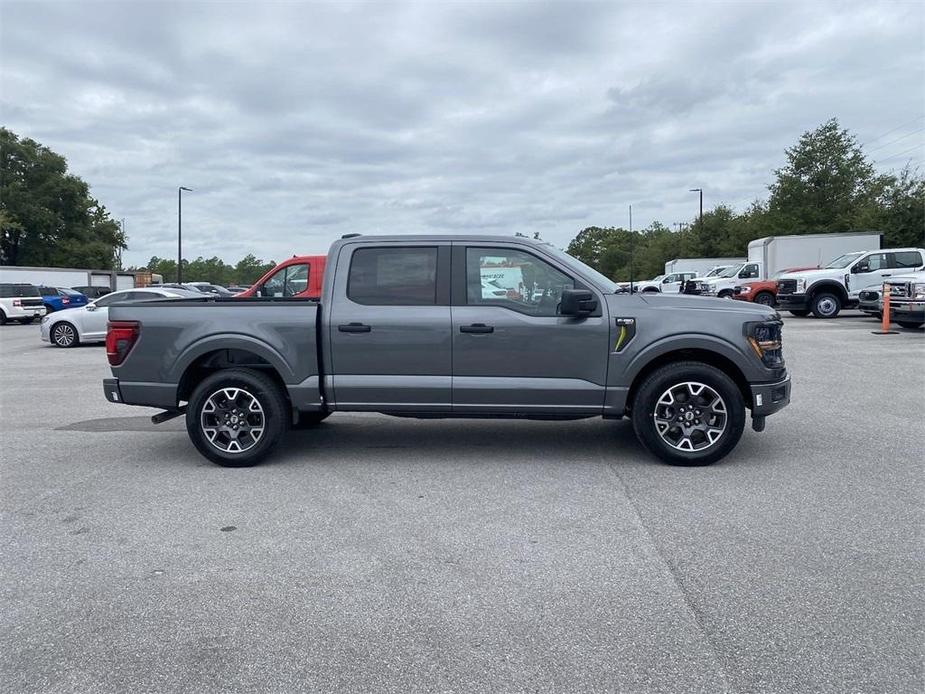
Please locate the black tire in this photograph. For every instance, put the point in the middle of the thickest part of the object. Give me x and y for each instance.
(64, 334)
(675, 375)
(764, 298)
(2, 317)
(826, 305)
(258, 387)
(801, 313)
(650, 290)
(725, 294)
(912, 325)
(309, 420)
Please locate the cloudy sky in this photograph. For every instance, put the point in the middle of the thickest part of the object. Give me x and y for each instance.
(296, 122)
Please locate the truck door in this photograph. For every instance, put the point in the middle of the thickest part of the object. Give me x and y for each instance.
(389, 327)
(871, 270)
(511, 349)
(671, 284)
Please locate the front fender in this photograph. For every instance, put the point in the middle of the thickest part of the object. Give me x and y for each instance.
(746, 364)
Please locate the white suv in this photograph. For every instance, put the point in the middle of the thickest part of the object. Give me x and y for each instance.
(20, 302)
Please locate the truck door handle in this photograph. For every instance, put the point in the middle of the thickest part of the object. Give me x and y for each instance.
(354, 328)
(476, 328)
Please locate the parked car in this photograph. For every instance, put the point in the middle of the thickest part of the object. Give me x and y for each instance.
(404, 328)
(826, 291)
(71, 326)
(209, 288)
(238, 288)
(56, 298)
(666, 284)
(763, 291)
(907, 300)
(92, 292)
(20, 302)
(299, 277)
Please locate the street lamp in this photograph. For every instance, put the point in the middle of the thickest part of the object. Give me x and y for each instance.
(699, 190)
(180, 231)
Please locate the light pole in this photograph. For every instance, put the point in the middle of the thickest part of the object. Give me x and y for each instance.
(699, 190)
(180, 231)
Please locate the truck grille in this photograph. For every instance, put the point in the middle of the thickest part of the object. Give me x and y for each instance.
(786, 286)
(691, 287)
(899, 291)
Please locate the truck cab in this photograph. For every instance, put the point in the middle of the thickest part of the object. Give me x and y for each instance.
(723, 285)
(666, 284)
(299, 277)
(826, 291)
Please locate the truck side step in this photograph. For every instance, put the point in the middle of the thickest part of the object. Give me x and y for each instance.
(167, 415)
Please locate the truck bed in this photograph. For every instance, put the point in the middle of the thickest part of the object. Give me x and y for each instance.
(180, 338)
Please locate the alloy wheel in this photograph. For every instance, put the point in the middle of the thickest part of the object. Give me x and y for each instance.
(690, 416)
(232, 420)
(63, 335)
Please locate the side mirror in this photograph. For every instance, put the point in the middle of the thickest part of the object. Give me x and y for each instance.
(577, 302)
(666, 280)
(860, 267)
(91, 307)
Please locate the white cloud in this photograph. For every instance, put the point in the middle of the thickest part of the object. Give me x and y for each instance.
(296, 123)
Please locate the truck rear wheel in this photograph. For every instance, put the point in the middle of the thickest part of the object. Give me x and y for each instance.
(800, 313)
(688, 413)
(236, 416)
(826, 305)
(913, 325)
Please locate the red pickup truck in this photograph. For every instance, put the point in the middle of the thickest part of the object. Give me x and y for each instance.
(763, 291)
(299, 276)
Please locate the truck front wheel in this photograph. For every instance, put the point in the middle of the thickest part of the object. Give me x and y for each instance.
(826, 305)
(688, 413)
(236, 416)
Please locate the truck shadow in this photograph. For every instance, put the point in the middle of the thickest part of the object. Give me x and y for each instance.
(466, 440)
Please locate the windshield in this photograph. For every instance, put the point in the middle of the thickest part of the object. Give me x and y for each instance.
(602, 281)
(845, 260)
(731, 271)
(715, 271)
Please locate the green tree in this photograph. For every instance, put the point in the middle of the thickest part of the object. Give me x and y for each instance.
(825, 185)
(47, 216)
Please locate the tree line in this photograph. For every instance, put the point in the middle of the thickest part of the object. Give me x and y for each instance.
(827, 185)
(213, 270)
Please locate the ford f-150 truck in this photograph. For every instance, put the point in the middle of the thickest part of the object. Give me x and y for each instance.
(407, 326)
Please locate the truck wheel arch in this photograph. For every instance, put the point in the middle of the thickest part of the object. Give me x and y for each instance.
(220, 352)
(830, 286)
(706, 355)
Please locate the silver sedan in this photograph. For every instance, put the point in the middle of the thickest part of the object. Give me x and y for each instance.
(72, 326)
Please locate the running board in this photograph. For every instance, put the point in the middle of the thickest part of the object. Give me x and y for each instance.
(167, 415)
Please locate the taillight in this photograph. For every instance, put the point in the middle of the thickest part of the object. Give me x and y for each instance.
(65, 301)
(120, 338)
(17, 302)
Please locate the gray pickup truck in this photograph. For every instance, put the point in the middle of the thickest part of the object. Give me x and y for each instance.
(452, 326)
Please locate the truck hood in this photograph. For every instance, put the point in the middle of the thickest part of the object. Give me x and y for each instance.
(909, 277)
(747, 310)
(813, 274)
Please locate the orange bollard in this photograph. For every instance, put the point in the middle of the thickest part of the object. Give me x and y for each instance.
(885, 319)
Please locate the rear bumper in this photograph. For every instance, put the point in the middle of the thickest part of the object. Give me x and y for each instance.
(768, 398)
(111, 390)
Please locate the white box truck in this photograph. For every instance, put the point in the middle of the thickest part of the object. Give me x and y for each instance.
(67, 277)
(771, 255)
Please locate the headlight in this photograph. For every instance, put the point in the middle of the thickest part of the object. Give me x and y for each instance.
(918, 291)
(46, 318)
(801, 286)
(744, 290)
(765, 339)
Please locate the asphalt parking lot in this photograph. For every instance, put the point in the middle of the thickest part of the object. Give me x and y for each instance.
(381, 554)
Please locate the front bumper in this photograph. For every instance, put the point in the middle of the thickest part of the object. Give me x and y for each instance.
(911, 311)
(793, 302)
(768, 398)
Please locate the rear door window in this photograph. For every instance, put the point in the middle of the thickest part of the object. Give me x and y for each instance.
(907, 259)
(394, 276)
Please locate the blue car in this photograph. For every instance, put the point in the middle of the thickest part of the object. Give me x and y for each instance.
(58, 298)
